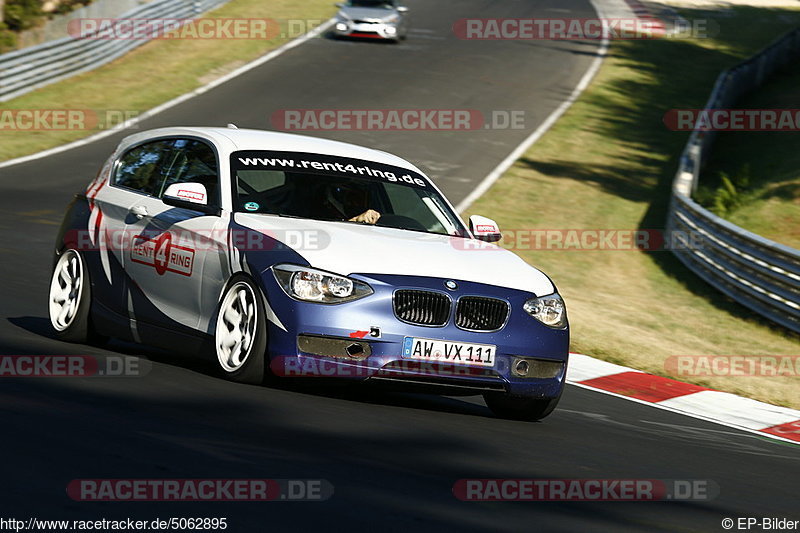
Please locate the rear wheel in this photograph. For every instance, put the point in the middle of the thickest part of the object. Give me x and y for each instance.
(69, 299)
(520, 407)
(240, 337)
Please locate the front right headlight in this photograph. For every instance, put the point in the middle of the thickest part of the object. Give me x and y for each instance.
(313, 285)
(549, 310)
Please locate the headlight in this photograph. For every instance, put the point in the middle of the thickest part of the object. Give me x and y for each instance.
(341, 26)
(312, 285)
(394, 19)
(549, 310)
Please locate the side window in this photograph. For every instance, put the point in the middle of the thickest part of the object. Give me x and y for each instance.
(141, 168)
(192, 161)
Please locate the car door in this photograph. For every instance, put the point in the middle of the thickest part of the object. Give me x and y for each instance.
(134, 174)
(169, 245)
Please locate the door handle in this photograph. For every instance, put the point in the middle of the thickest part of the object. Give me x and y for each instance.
(139, 211)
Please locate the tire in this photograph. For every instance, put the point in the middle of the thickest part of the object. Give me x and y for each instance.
(519, 407)
(70, 299)
(240, 338)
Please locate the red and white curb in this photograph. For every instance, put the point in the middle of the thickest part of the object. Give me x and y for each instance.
(642, 12)
(692, 400)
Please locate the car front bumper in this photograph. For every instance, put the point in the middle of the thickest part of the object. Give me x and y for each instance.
(373, 30)
(371, 323)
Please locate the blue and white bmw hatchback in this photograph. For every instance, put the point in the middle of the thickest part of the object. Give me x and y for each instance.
(296, 256)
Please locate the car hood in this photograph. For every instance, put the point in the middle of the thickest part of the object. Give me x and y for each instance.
(367, 13)
(348, 248)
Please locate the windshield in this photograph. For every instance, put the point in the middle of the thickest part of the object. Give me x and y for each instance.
(383, 4)
(322, 187)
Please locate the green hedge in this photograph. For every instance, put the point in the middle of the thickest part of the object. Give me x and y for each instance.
(20, 15)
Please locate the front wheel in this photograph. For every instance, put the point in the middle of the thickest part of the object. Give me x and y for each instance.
(240, 336)
(520, 408)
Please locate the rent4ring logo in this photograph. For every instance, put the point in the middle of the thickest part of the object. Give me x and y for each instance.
(589, 490)
(161, 254)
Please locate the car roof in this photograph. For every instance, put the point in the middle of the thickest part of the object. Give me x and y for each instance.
(230, 140)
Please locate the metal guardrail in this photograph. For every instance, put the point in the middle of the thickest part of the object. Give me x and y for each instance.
(24, 70)
(758, 273)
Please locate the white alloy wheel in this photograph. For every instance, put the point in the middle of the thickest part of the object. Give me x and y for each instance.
(237, 321)
(66, 289)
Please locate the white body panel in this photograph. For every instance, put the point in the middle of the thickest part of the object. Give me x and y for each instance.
(359, 248)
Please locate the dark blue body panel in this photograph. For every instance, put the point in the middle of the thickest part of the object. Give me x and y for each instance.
(521, 336)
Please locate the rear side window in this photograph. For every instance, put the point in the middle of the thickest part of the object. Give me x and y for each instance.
(152, 167)
(142, 168)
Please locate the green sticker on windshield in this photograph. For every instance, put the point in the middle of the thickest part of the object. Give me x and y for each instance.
(251, 206)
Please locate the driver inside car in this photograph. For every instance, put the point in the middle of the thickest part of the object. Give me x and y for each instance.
(349, 202)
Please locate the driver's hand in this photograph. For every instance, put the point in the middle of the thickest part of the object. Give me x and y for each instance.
(370, 216)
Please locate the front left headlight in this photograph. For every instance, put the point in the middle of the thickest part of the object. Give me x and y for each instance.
(549, 310)
(313, 285)
(394, 19)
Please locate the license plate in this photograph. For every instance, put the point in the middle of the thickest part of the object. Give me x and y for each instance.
(449, 352)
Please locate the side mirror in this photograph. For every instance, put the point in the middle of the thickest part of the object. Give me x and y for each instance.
(189, 196)
(402, 9)
(484, 229)
(340, 5)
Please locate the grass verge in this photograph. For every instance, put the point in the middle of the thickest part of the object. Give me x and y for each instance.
(172, 67)
(609, 164)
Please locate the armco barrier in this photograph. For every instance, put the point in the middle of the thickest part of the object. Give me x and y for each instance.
(24, 70)
(758, 273)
